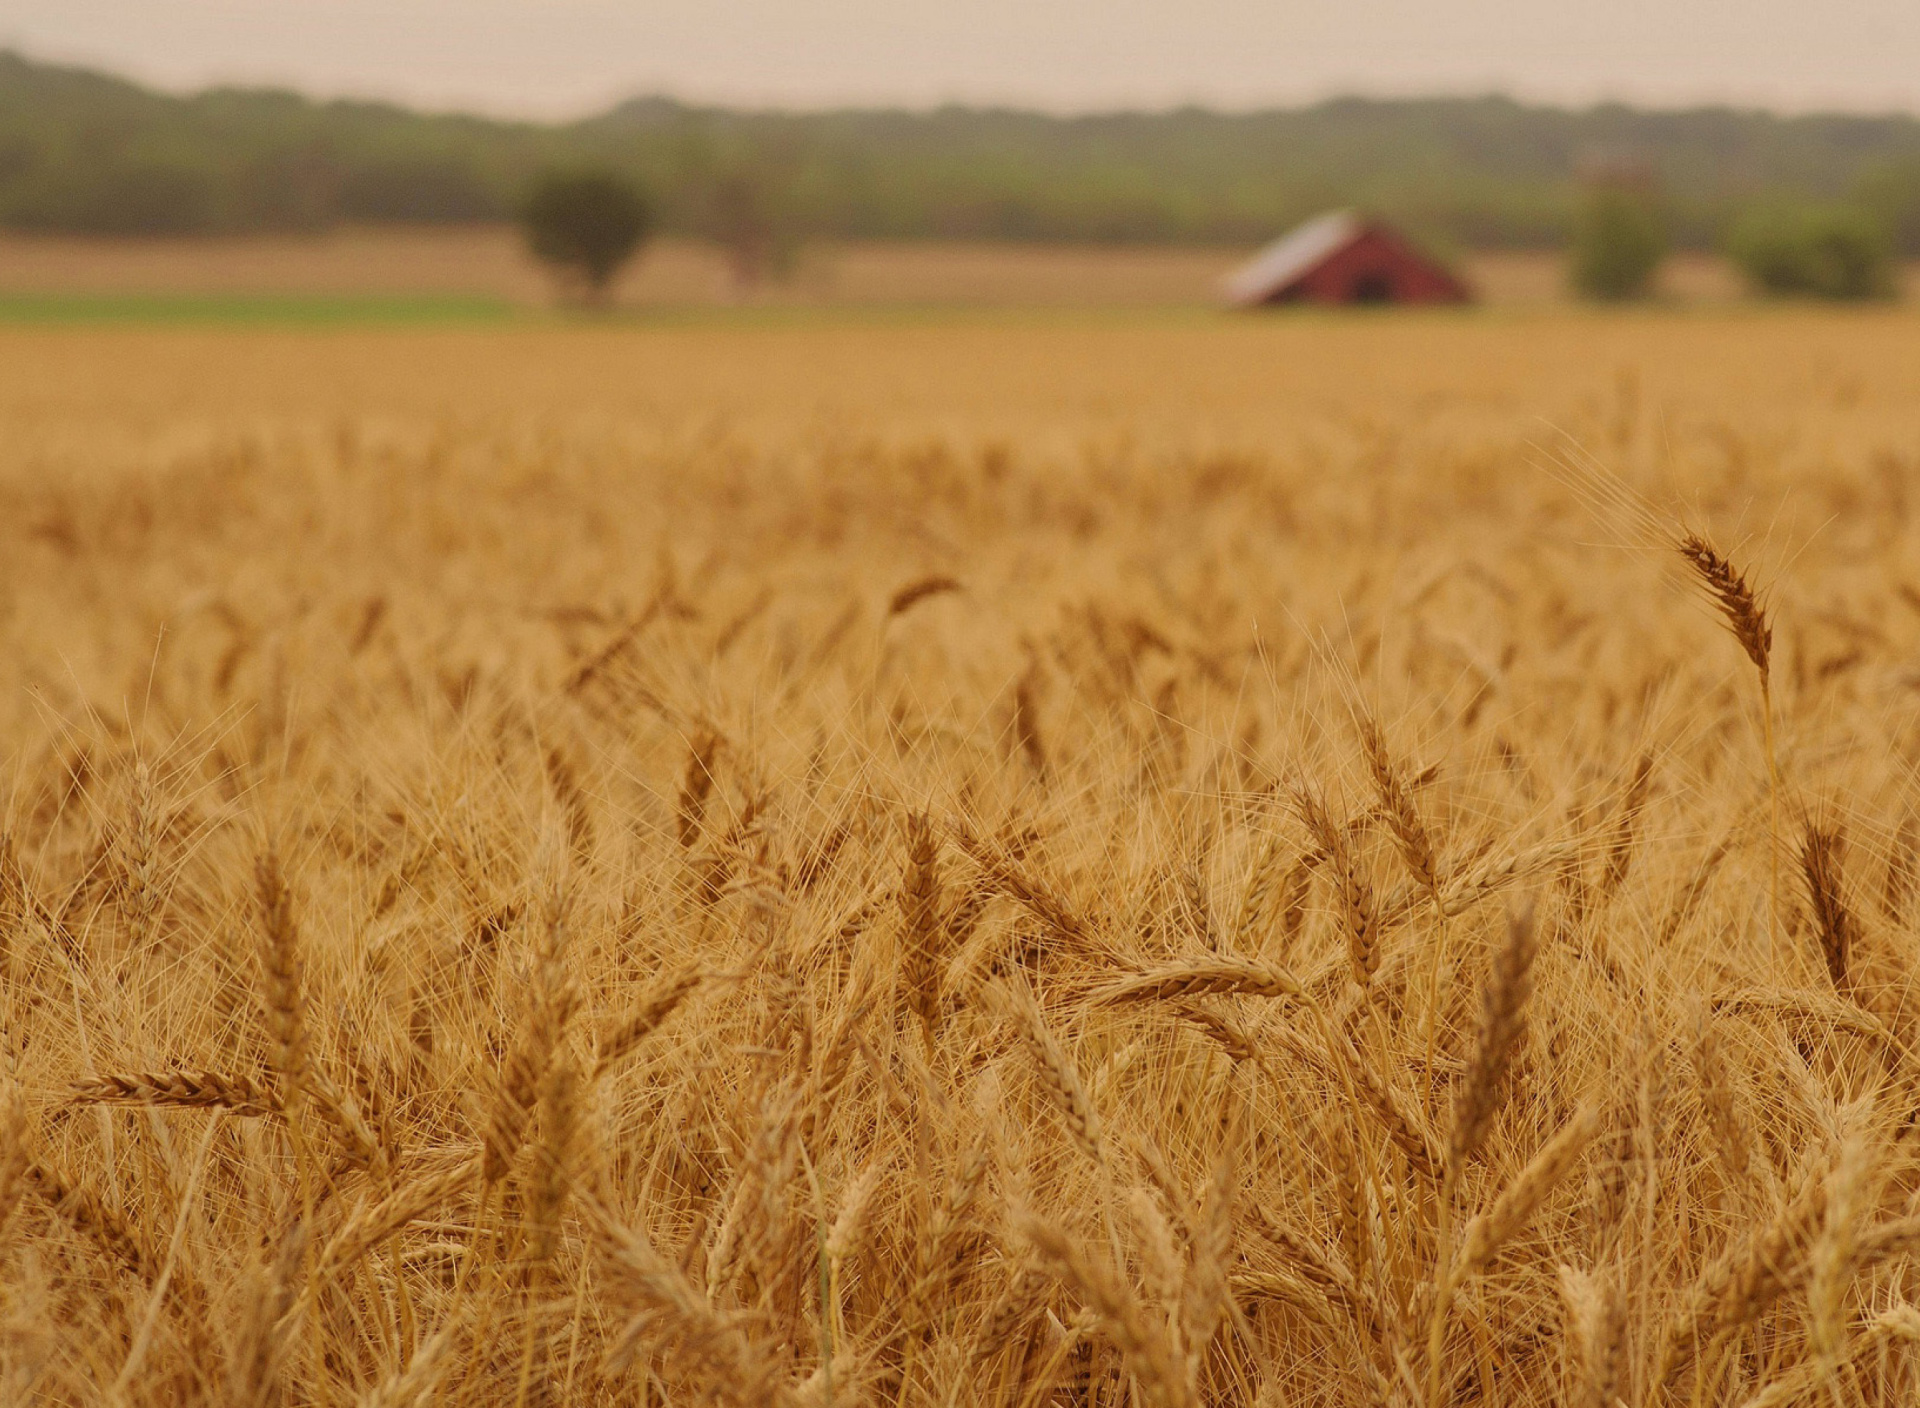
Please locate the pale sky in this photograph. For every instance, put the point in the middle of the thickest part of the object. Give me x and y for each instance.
(566, 57)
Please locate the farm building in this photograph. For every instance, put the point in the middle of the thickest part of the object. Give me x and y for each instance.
(1340, 257)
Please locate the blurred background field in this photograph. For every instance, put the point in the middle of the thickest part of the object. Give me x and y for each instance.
(1790, 378)
(485, 270)
(119, 200)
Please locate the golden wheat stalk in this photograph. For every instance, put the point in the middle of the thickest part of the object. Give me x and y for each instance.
(921, 934)
(1745, 615)
(911, 595)
(1404, 822)
(1488, 1233)
(280, 968)
(1144, 1344)
(1745, 1280)
(373, 1222)
(1201, 978)
(647, 1016)
(1476, 1100)
(1357, 911)
(179, 1087)
(1597, 1315)
(1822, 866)
(1012, 879)
(1058, 1075)
(666, 1311)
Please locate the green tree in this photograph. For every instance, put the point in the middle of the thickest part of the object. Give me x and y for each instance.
(1890, 191)
(585, 225)
(1822, 251)
(1619, 239)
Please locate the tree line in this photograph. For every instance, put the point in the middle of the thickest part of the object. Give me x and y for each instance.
(86, 152)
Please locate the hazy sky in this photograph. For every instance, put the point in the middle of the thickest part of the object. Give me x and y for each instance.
(560, 57)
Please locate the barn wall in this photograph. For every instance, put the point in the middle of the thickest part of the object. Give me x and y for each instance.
(1401, 275)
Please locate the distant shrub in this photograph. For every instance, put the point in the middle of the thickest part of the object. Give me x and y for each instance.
(1818, 251)
(1619, 239)
(585, 225)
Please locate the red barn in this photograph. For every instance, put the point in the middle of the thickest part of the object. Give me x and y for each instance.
(1340, 258)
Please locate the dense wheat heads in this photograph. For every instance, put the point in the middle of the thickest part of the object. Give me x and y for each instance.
(705, 957)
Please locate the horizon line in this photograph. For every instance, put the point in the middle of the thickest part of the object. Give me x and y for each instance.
(477, 109)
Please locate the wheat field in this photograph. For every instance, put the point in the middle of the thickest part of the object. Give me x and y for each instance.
(491, 266)
(915, 862)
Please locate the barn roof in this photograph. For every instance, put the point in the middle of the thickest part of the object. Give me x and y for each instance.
(1290, 256)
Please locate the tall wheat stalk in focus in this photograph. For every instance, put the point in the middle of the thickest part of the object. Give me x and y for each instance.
(1746, 618)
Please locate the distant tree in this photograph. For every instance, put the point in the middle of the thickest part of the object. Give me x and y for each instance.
(750, 214)
(1891, 192)
(1826, 251)
(127, 196)
(585, 225)
(1619, 239)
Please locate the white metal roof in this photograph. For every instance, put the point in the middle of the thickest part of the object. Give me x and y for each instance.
(1290, 256)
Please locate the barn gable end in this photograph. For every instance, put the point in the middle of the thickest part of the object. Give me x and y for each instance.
(1340, 258)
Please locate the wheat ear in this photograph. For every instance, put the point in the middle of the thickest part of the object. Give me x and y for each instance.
(552, 1171)
(137, 856)
(1143, 1344)
(374, 1222)
(419, 1381)
(665, 1309)
(1415, 845)
(645, 1018)
(1502, 1018)
(1821, 864)
(1357, 910)
(1598, 1315)
(1404, 823)
(189, 1089)
(87, 1215)
(1719, 1102)
(1835, 1253)
(695, 786)
(1058, 1074)
(285, 1011)
(911, 595)
(1746, 617)
(1016, 1304)
(1739, 1285)
(1202, 977)
(1007, 875)
(1521, 1198)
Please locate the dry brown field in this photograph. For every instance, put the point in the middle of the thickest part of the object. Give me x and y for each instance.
(491, 263)
(1056, 861)
(670, 273)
